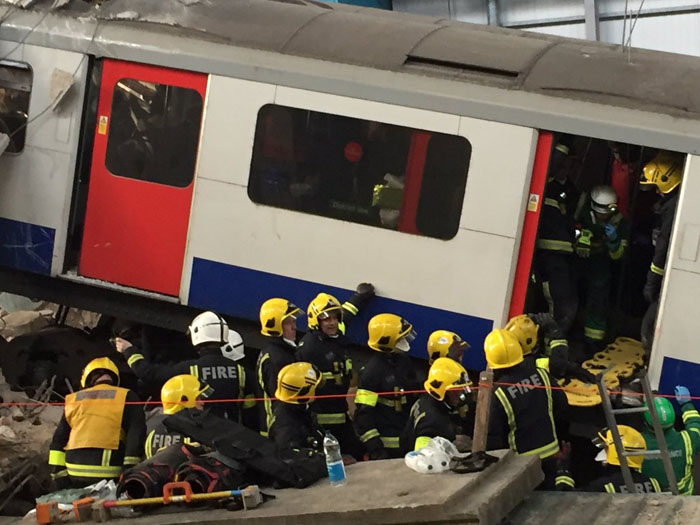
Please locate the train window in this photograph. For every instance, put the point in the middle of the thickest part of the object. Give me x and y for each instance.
(361, 171)
(15, 90)
(154, 132)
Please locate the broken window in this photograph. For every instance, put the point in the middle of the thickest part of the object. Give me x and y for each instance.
(154, 132)
(15, 90)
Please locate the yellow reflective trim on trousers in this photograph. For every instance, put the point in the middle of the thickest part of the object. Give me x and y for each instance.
(267, 402)
(133, 359)
(657, 270)
(350, 307)
(421, 441)
(92, 471)
(565, 480)
(592, 333)
(366, 397)
(331, 419)
(194, 370)
(615, 255)
(610, 488)
(57, 458)
(390, 441)
(370, 434)
(500, 394)
(555, 246)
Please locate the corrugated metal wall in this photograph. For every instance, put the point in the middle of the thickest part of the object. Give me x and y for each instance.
(665, 25)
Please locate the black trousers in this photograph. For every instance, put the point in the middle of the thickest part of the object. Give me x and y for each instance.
(555, 272)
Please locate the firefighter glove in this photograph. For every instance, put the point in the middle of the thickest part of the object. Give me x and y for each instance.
(365, 290)
(610, 232)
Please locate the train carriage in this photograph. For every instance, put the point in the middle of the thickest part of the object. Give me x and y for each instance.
(215, 154)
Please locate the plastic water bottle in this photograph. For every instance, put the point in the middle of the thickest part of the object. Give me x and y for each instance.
(334, 460)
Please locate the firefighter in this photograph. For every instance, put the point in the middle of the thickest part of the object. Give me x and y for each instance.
(210, 336)
(101, 431)
(293, 424)
(278, 324)
(603, 239)
(554, 260)
(447, 388)
(183, 391)
(443, 343)
(664, 172)
(554, 357)
(612, 480)
(327, 347)
(526, 410)
(380, 419)
(682, 446)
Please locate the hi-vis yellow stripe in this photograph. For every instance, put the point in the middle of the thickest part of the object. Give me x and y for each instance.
(366, 397)
(57, 458)
(133, 359)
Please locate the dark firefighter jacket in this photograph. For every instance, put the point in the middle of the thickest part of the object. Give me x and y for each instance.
(294, 426)
(274, 356)
(613, 482)
(667, 211)
(98, 435)
(158, 437)
(682, 446)
(556, 233)
(431, 418)
(228, 379)
(380, 419)
(523, 411)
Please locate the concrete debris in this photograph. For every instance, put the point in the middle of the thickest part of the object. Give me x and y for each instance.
(7, 435)
(127, 15)
(20, 3)
(57, 4)
(24, 322)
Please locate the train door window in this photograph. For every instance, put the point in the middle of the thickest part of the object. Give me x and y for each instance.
(15, 90)
(360, 171)
(154, 132)
(598, 265)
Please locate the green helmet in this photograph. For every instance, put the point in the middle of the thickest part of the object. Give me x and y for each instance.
(664, 409)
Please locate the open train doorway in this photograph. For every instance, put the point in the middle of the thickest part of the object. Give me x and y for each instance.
(607, 211)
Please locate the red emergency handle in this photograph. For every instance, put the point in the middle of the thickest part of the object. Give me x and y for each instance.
(173, 485)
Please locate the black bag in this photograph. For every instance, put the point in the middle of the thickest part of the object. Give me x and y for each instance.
(211, 473)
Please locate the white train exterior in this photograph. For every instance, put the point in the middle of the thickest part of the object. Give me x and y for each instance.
(207, 244)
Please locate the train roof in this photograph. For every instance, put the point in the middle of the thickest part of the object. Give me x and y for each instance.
(515, 61)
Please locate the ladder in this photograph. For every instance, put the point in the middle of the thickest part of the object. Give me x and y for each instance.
(610, 414)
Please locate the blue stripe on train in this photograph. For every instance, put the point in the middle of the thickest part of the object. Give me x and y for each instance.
(678, 372)
(26, 246)
(240, 291)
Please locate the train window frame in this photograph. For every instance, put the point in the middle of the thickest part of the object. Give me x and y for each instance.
(151, 167)
(293, 158)
(24, 87)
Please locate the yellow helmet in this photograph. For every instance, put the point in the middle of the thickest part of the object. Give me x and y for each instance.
(320, 308)
(389, 333)
(102, 364)
(502, 349)
(632, 441)
(445, 373)
(181, 392)
(664, 171)
(525, 329)
(297, 380)
(273, 312)
(440, 342)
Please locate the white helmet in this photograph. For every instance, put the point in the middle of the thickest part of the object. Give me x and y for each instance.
(604, 199)
(234, 349)
(208, 327)
(428, 460)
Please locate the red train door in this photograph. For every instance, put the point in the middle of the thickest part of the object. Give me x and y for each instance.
(143, 164)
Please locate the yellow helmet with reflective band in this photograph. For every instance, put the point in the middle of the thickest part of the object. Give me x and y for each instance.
(272, 313)
(525, 329)
(103, 365)
(444, 374)
(440, 342)
(390, 333)
(632, 441)
(664, 171)
(502, 349)
(321, 307)
(182, 391)
(298, 380)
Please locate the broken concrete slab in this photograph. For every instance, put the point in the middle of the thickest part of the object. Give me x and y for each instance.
(387, 492)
